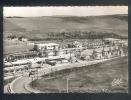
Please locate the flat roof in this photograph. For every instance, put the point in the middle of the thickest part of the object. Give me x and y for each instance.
(98, 49)
(46, 44)
(87, 52)
(55, 59)
(111, 39)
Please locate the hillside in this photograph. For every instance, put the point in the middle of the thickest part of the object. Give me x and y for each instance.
(44, 27)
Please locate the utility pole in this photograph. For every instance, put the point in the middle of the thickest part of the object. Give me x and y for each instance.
(70, 57)
(14, 69)
(32, 81)
(67, 85)
(37, 73)
(70, 54)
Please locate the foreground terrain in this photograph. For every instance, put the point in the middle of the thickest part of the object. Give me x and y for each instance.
(109, 76)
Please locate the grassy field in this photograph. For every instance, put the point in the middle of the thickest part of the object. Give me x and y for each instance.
(110, 76)
(11, 46)
(38, 27)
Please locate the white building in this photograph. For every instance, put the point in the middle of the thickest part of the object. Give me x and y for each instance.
(24, 39)
(105, 52)
(47, 46)
(94, 43)
(113, 40)
(97, 53)
(124, 42)
(48, 49)
(77, 44)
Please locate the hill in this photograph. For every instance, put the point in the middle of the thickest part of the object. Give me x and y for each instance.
(66, 26)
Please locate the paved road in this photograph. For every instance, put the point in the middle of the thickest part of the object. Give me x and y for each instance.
(6, 88)
(18, 86)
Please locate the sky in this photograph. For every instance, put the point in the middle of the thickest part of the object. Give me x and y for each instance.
(64, 10)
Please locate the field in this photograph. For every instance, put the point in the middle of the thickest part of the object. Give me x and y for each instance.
(38, 27)
(110, 76)
(11, 46)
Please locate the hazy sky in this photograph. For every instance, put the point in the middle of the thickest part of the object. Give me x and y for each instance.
(67, 10)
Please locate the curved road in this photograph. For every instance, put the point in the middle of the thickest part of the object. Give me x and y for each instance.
(18, 86)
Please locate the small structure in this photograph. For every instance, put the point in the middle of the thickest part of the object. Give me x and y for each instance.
(87, 54)
(105, 52)
(94, 43)
(112, 41)
(56, 61)
(77, 44)
(97, 53)
(22, 38)
(121, 52)
(124, 42)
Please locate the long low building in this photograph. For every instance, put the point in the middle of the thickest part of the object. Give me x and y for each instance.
(20, 55)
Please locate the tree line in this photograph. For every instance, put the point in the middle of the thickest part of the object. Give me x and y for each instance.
(73, 35)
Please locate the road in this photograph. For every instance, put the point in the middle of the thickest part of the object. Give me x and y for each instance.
(18, 86)
(6, 88)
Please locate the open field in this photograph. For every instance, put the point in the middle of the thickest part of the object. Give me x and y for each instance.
(109, 76)
(38, 27)
(11, 46)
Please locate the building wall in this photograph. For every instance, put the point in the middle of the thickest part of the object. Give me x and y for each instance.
(46, 50)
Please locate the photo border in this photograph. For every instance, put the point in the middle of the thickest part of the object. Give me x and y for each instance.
(64, 96)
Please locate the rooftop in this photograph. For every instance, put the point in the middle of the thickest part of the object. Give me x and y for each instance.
(46, 44)
(87, 52)
(112, 39)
